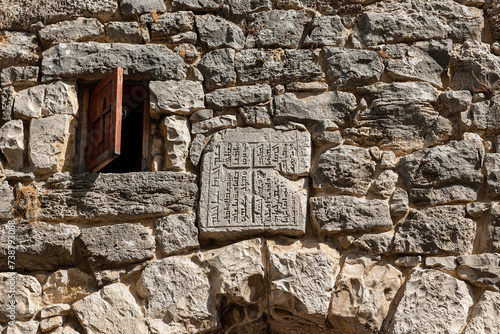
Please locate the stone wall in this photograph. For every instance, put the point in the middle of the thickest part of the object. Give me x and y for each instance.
(316, 166)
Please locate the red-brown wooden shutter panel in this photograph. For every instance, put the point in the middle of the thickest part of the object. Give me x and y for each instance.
(104, 126)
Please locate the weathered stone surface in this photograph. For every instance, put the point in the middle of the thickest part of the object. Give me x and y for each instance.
(177, 293)
(216, 32)
(378, 243)
(484, 115)
(400, 117)
(456, 101)
(111, 310)
(348, 68)
(476, 209)
(422, 308)
(330, 138)
(279, 28)
(326, 31)
(399, 203)
(12, 143)
(180, 97)
(257, 116)
(277, 66)
(492, 167)
(297, 293)
(7, 103)
(445, 174)
(217, 68)
(6, 200)
(116, 197)
(243, 7)
(23, 327)
(79, 30)
(175, 131)
(436, 230)
(197, 146)
(197, 5)
(60, 98)
(424, 61)
(334, 214)
(177, 233)
(171, 26)
(67, 286)
(51, 323)
(363, 293)
(52, 144)
(443, 263)
(131, 8)
(54, 310)
(40, 246)
(19, 76)
(239, 96)
(95, 60)
(315, 86)
(304, 107)
(493, 227)
(345, 169)
(485, 316)
(214, 124)
(480, 269)
(126, 32)
(408, 261)
(411, 21)
(247, 194)
(18, 48)
(27, 292)
(385, 184)
(28, 103)
(201, 115)
(117, 245)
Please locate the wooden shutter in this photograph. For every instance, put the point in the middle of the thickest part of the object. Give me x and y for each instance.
(104, 125)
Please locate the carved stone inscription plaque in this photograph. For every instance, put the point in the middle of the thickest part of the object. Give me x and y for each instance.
(247, 186)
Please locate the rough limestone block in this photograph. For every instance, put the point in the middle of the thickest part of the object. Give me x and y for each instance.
(28, 103)
(18, 49)
(480, 269)
(132, 8)
(94, 61)
(216, 32)
(51, 323)
(257, 116)
(179, 97)
(436, 230)
(423, 309)
(334, 214)
(400, 204)
(247, 193)
(239, 96)
(378, 243)
(115, 246)
(197, 5)
(60, 98)
(12, 143)
(363, 294)
(456, 101)
(433, 177)
(23, 327)
(79, 30)
(175, 131)
(197, 146)
(67, 286)
(448, 264)
(385, 184)
(113, 309)
(485, 316)
(493, 227)
(6, 200)
(28, 293)
(7, 103)
(244, 7)
(19, 76)
(217, 68)
(492, 167)
(214, 124)
(178, 290)
(279, 28)
(37, 241)
(55, 310)
(484, 115)
(126, 32)
(170, 26)
(177, 233)
(326, 31)
(117, 197)
(345, 169)
(52, 144)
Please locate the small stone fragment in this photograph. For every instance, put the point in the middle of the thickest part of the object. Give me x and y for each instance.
(197, 146)
(480, 269)
(379, 243)
(444, 263)
(12, 143)
(315, 86)
(385, 184)
(332, 138)
(177, 233)
(456, 101)
(6, 200)
(408, 261)
(201, 115)
(476, 209)
(388, 160)
(55, 310)
(214, 124)
(179, 97)
(51, 323)
(175, 131)
(399, 203)
(257, 116)
(492, 167)
(7, 103)
(67, 286)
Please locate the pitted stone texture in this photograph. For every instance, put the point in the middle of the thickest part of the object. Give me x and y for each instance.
(214, 124)
(40, 246)
(180, 97)
(55, 310)
(445, 174)
(67, 286)
(492, 167)
(117, 197)
(399, 202)
(456, 101)
(239, 96)
(197, 146)
(28, 103)
(363, 294)
(94, 61)
(326, 31)
(216, 32)
(170, 26)
(378, 243)
(177, 293)
(217, 68)
(344, 169)
(117, 245)
(6, 200)
(400, 117)
(410, 21)
(493, 227)
(423, 309)
(51, 323)
(277, 66)
(424, 61)
(480, 269)
(197, 5)
(28, 293)
(436, 230)
(447, 264)
(52, 144)
(132, 8)
(79, 30)
(244, 7)
(7, 103)
(175, 131)
(12, 143)
(19, 76)
(305, 107)
(334, 214)
(177, 233)
(18, 49)
(112, 310)
(385, 184)
(23, 327)
(297, 293)
(484, 115)
(127, 32)
(279, 28)
(485, 316)
(257, 116)
(243, 191)
(60, 98)
(349, 68)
